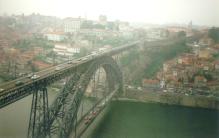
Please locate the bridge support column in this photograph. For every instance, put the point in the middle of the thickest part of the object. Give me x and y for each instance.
(39, 113)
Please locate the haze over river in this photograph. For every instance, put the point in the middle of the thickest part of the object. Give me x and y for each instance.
(128, 120)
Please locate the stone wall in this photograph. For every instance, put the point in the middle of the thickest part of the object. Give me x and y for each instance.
(173, 98)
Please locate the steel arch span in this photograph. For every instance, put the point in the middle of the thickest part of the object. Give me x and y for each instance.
(114, 77)
(63, 111)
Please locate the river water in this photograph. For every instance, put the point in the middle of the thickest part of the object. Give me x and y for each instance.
(127, 120)
(149, 120)
(14, 118)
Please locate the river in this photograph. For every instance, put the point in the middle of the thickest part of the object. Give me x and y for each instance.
(150, 120)
(127, 120)
(14, 118)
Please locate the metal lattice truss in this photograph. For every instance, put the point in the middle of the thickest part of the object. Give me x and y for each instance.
(39, 113)
(63, 112)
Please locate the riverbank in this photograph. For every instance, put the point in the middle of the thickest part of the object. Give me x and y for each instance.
(171, 99)
(153, 100)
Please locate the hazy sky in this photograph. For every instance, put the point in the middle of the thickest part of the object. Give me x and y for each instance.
(202, 12)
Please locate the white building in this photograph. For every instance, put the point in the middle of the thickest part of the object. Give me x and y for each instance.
(65, 50)
(72, 25)
(55, 36)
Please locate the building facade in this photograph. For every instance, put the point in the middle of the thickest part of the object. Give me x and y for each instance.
(72, 25)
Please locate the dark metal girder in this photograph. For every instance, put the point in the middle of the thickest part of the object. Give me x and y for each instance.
(22, 91)
(114, 76)
(39, 113)
(63, 111)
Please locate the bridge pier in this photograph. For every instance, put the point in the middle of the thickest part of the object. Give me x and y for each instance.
(39, 113)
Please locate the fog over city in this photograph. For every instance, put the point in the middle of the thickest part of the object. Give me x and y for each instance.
(109, 68)
(201, 12)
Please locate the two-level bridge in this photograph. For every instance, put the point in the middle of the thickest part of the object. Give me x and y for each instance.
(61, 117)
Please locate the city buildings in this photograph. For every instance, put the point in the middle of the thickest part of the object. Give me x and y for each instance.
(55, 36)
(72, 25)
(66, 49)
(194, 70)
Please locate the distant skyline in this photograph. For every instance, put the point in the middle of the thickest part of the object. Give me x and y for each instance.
(200, 12)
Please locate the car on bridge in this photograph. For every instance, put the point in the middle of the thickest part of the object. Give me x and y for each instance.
(94, 113)
(84, 58)
(71, 61)
(18, 83)
(170, 89)
(139, 88)
(22, 74)
(30, 75)
(87, 122)
(94, 54)
(58, 68)
(88, 119)
(103, 104)
(1, 89)
(35, 77)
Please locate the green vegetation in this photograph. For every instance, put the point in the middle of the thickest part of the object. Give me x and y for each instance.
(216, 56)
(22, 45)
(214, 34)
(204, 73)
(130, 58)
(41, 58)
(27, 44)
(158, 57)
(6, 77)
(181, 34)
(146, 63)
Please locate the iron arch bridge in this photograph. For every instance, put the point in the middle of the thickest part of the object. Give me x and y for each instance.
(60, 119)
(65, 113)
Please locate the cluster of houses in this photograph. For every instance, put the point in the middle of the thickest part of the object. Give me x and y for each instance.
(197, 69)
(78, 33)
(81, 26)
(69, 37)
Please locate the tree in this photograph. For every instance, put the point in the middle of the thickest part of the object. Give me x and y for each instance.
(98, 26)
(181, 34)
(214, 33)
